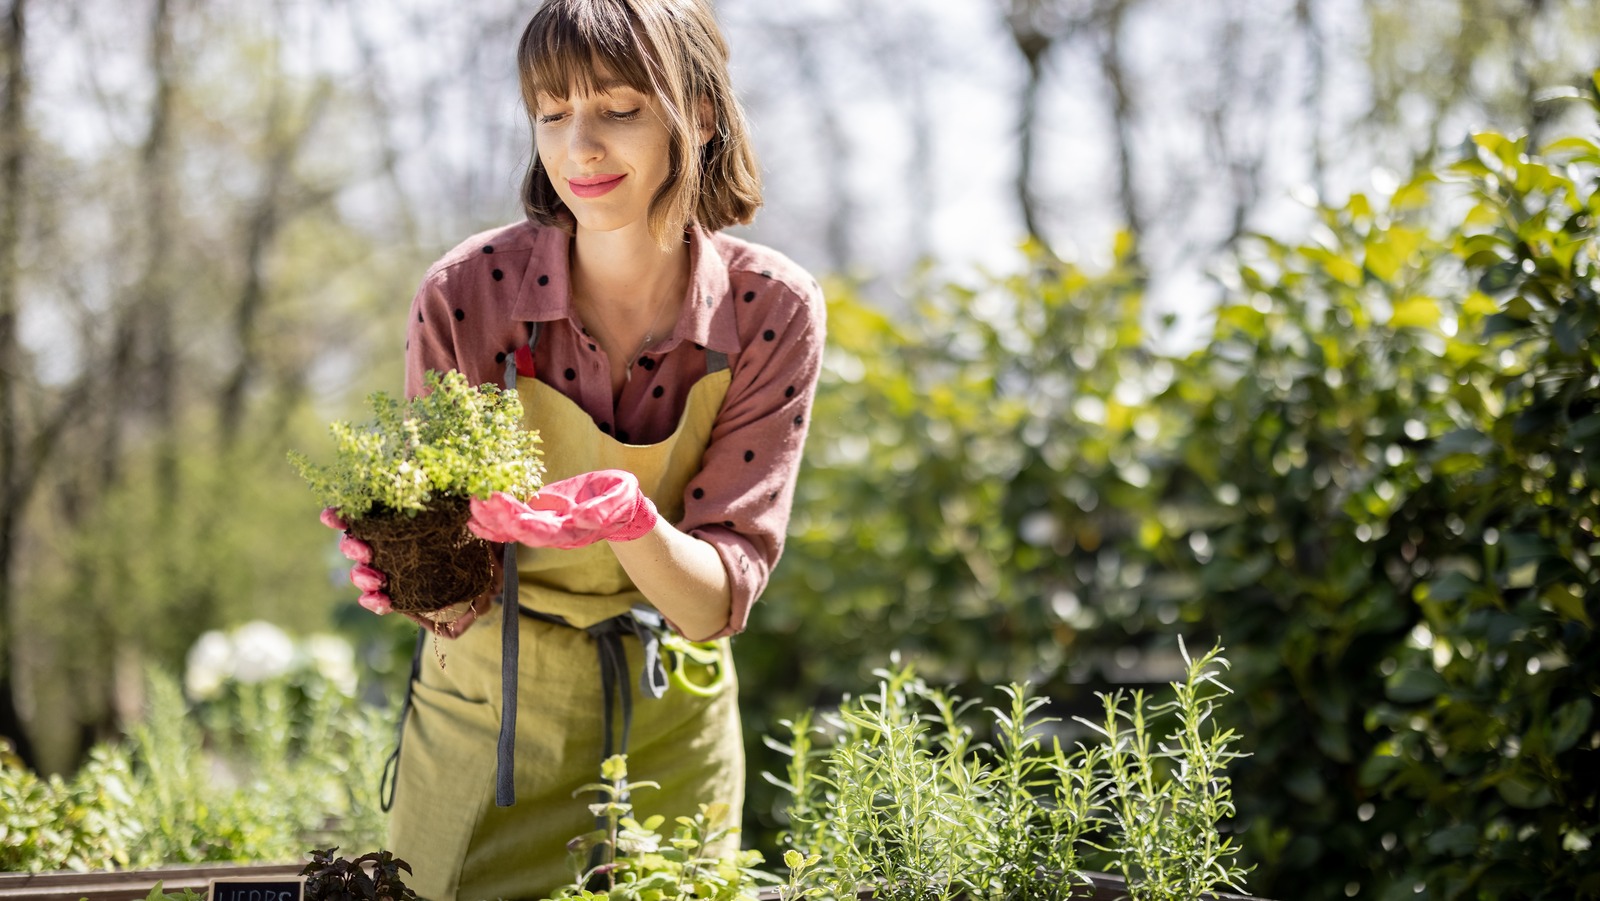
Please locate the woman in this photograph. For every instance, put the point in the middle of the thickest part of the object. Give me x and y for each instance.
(669, 371)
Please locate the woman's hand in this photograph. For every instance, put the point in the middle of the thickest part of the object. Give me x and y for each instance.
(372, 581)
(363, 576)
(606, 505)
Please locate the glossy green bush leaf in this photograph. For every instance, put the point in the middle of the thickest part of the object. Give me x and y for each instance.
(1413, 685)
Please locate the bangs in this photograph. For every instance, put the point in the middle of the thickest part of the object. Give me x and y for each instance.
(590, 50)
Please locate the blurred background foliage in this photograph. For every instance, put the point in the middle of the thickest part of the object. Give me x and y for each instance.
(1343, 436)
(1376, 482)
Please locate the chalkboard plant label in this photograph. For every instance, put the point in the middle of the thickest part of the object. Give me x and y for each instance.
(257, 888)
(401, 483)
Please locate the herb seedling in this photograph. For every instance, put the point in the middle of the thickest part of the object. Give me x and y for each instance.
(402, 483)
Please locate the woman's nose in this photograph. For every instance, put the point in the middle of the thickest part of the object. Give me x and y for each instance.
(585, 139)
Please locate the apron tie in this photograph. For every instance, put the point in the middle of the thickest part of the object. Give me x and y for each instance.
(391, 767)
(642, 622)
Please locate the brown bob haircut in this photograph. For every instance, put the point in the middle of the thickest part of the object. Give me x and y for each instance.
(670, 49)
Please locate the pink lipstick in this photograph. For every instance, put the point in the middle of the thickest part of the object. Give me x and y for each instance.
(594, 185)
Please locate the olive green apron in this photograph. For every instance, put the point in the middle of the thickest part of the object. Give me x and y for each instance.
(444, 819)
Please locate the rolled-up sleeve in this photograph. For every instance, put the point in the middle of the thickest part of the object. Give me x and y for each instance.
(740, 500)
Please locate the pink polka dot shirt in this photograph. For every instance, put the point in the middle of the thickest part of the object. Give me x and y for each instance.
(474, 310)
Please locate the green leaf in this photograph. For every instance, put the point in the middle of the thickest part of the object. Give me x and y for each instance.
(1414, 684)
(1413, 194)
(1523, 790)
(1499, 277)
(1569, 724)
(1454, 841)
(1565, 600)
(1452, 586)
(1415, 312)
(1572, 329)
(1379, 768)
(1526, 547)
(1585, 429)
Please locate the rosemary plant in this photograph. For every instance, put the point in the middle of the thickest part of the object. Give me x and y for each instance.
(899, 798)
(1166, 839)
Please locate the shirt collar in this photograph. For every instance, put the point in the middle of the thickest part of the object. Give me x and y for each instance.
(708, 315)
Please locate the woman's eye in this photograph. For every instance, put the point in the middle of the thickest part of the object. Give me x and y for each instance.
(624, 115)
(547, 118)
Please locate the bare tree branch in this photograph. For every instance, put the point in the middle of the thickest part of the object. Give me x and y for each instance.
(1030, 27)
(1113, 67)
(13, 167)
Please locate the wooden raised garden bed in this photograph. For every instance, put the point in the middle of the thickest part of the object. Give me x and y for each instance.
(128, 885)
(135, 885)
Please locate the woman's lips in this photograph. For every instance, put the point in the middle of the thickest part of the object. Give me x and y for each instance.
(594, 185)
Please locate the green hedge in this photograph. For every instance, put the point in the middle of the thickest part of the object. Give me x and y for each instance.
(1371, 484)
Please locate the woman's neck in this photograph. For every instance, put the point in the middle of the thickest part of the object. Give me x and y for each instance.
(625, 275)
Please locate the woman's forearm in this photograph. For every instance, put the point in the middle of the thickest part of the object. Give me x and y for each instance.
(682, 576)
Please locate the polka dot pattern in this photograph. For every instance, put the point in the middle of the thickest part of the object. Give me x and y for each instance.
(747, 306)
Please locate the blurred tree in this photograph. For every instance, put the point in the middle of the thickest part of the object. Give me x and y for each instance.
(16, 471)
(192, 270)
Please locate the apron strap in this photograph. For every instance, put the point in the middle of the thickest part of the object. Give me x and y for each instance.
(505, 791)
(391, 767)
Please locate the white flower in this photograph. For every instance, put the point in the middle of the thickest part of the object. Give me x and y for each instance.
(334, 659)
(261, 651)
(210, 663)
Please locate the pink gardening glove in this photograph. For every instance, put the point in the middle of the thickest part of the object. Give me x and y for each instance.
(604, 505)
(362, 575)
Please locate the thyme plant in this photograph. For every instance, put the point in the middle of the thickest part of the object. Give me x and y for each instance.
(453, 440)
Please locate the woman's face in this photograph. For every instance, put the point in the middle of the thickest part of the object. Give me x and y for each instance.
(606, 153)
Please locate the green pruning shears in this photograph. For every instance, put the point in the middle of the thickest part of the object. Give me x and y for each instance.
(697, 666)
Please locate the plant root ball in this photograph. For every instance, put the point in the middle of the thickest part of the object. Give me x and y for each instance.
(432, 560)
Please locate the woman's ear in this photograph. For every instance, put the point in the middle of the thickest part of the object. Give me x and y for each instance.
(707, 119)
